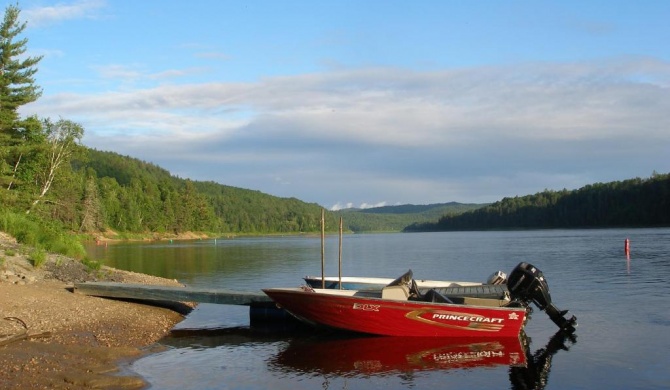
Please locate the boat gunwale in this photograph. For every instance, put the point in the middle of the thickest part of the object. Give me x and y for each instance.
(376, 281)
(376, 296)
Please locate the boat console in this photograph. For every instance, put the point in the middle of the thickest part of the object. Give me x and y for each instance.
(527, 284)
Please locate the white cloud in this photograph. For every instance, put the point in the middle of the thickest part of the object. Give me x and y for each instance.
(366, 205)
(116, 71)
(470, 135)
(341, 206)
(405, 108)
(40, 16)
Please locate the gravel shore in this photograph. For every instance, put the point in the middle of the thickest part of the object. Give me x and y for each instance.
(52, 338)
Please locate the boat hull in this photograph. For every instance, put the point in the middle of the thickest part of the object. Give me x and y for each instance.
(398, 318)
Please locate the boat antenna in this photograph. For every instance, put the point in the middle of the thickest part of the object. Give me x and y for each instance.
(323, 248)
(340, 257)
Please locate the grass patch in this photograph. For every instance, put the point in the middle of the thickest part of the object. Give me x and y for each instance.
(92, 265)
(38, 257)
(41, 234)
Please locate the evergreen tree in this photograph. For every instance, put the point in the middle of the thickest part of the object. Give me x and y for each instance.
(91, 214)
(17, 87)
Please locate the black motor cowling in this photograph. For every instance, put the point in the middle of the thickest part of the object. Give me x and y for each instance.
(526, 283)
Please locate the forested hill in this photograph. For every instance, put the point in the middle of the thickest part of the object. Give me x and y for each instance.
(104, 190)
(129, 195)
(396, 218)
(634, 202)
(136, 196)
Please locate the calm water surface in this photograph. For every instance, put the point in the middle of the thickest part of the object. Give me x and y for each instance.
(622, 342)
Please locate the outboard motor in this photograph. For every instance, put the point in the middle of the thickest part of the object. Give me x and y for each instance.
(526, 283)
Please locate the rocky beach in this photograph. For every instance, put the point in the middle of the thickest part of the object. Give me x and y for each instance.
(54, 338)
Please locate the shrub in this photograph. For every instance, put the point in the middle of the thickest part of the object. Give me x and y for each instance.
(92, 265)
(64, 244)
(38, 257)
(42, 234)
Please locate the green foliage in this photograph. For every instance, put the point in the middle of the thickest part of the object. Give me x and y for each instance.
(61, 143)
(37, 257)
(635, 202)
(17, 88)
(134, 197)
(65, 244)
(18, 225)
(40, 234)
(17, 82)
(92, 265)
(32, 151)
(10, 252)
(246, 211)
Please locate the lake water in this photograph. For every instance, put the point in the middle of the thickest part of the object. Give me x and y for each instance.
(622, 306)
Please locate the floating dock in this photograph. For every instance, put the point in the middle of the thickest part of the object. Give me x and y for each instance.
(170, 293)
(261, 307)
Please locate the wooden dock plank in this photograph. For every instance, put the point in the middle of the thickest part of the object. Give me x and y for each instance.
(169, 293)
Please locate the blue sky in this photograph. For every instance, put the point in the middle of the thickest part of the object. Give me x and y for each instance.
(364, 103)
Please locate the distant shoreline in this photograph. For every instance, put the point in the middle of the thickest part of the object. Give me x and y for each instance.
(113, 237)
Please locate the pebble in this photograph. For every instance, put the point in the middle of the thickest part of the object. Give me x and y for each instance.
(14, 278)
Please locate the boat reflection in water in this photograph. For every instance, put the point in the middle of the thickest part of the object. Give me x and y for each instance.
(535, 374)
(382, 356)
(349, 356)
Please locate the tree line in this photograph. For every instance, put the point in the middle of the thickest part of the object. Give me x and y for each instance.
(102, 190)
(629, 203)
(396, 218)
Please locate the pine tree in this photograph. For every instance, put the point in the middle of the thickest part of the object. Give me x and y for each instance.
(17, 87)
(91, 215)
(17, 84)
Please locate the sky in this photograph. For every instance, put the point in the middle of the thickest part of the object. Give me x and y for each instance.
(364, 103)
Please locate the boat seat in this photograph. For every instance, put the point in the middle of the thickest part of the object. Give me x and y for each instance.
(398, 292)
(488, 291)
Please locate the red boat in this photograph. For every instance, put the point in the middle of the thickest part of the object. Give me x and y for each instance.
(400, 309)
(344, 309)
